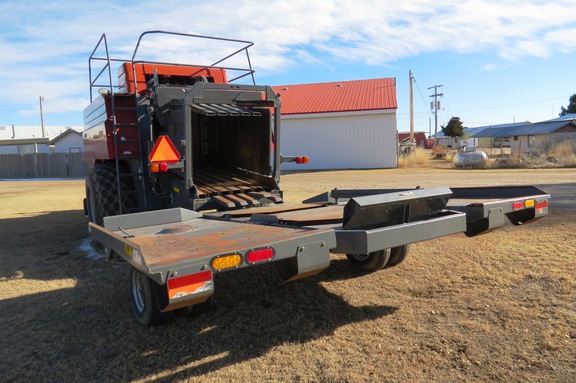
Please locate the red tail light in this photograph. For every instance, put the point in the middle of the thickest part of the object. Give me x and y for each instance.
(517, 205)
(260, 255)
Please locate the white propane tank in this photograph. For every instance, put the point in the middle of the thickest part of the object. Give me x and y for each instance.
(470, 158)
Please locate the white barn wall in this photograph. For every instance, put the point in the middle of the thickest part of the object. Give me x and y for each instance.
(361, 140)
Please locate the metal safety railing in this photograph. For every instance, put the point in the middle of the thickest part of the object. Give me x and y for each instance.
(96, 73)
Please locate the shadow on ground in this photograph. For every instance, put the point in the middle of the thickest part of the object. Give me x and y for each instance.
(83, 330)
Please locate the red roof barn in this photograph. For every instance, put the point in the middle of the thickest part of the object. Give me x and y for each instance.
(340, 125)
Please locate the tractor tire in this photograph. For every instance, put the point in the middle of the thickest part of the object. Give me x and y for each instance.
(90, 202)
(102, 192)
(146, 295)
(397, 255)
(370, 262)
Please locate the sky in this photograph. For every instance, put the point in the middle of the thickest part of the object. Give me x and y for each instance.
(497, 61)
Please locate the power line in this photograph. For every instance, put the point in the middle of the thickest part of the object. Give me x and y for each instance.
(420, 93)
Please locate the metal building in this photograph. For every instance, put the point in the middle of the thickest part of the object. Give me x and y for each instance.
(531, 137)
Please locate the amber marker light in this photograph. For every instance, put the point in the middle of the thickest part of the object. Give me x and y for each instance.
(224, 262)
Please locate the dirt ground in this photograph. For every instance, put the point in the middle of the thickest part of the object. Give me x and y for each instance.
(498, 307)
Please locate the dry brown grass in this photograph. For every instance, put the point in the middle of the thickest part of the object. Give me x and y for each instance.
(499, 307)
(562, 149)
(417, 158)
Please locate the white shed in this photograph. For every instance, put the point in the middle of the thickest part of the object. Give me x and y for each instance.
(68, 142)
(340, 125)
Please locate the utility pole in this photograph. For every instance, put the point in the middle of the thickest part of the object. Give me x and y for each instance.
(436, 106)
(411, 108)
(42, 115)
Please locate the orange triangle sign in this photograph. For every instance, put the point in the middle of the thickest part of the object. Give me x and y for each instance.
(164, 151)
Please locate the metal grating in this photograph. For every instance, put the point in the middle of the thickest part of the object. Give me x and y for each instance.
(224, 110)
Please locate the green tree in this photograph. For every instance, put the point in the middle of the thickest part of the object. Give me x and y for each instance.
(454, 128)
(571, 106)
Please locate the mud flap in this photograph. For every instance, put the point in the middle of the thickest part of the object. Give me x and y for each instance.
(494, 220)
(310, 259)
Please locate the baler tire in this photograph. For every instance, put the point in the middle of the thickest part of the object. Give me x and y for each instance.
(370, 262)
(145, 300)
(103, 179)
(105, 191)
(106, 188)
(397, 256)
(91, 207)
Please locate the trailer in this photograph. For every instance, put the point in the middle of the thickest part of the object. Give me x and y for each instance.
(184, 184)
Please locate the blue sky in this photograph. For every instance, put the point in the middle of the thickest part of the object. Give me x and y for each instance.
(498, 61)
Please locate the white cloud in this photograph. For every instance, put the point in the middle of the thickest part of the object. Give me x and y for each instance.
(45, 46)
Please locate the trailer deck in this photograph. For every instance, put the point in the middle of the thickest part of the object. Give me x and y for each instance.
(175, 243)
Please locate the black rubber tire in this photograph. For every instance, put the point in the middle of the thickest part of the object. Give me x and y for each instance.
(371, 262)
(91, 208)
(102, 192)
(397, 255)
(197, 309)
(146, 296)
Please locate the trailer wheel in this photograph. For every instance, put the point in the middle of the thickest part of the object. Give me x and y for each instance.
(197, 309)
(146, 300)
(397, 256)
(370, 262)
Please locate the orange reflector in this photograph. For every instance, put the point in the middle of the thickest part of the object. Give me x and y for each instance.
(518, 205)
(529, 203)
(260, 255)
(164, 151)
(302, 160)
(188, 284)
(226, 261)
(155, 168)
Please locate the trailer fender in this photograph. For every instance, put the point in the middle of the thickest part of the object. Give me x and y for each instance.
(310, 259)
(495, 219)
